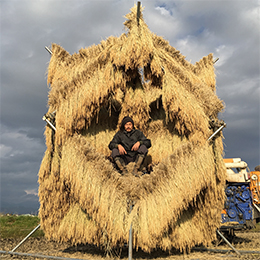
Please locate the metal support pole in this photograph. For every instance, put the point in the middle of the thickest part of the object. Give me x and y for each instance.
(37, 256)
(138, 12)
(49, 123)
(227, 241)
(224, 250)
(218, 130)
(130, 248)
(215, 60)
(48, 49)
(130, 243)
(26, 238)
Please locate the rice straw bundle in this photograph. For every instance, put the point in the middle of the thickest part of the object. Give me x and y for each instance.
(83, 197)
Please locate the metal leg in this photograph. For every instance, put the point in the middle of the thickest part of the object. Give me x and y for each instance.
(130, 246)
(48, 49)
(26, 238)
(227, 241)
(49, 123)
(218, 130)
(130, 243)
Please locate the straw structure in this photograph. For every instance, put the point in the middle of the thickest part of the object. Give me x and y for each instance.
(83, 199)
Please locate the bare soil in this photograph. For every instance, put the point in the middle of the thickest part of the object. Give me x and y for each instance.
(41, 246)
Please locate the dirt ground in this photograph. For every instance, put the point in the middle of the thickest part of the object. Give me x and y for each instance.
(242, 241)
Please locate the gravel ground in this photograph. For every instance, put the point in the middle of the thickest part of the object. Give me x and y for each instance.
(41, 246)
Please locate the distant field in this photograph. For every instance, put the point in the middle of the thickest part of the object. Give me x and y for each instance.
(13, 226)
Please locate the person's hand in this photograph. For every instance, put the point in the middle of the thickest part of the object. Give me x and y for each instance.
(136, 146)
(121, 149)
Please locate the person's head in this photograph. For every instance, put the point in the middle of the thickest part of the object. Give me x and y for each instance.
(127, 124)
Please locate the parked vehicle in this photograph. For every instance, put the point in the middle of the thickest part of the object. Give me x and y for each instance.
(242, 206)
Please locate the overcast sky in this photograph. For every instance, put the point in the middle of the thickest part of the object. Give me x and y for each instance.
(228, 29)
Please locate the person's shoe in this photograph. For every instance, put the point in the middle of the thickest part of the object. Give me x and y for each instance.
(138, 163)
(121, 165)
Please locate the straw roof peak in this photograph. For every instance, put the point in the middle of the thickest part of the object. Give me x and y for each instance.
(135, 18)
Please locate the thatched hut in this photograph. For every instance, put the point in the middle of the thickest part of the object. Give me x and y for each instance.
(83, 198)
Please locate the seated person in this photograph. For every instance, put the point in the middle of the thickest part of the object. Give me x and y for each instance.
(129, 145)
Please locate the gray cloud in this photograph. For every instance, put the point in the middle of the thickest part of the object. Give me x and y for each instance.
(228, 29)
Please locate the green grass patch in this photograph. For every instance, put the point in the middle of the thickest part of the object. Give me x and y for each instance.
(13, 226)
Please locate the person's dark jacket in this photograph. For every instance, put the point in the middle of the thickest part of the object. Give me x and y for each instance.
(128, 139)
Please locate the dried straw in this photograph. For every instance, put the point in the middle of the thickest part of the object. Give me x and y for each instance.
(83, 198)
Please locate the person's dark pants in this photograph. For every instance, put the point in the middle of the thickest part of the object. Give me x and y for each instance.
(127, 158)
